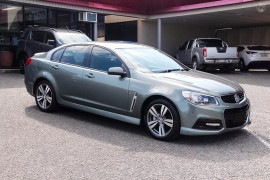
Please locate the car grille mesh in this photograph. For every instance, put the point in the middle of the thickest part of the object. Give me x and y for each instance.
(236, 117)
(231, 97)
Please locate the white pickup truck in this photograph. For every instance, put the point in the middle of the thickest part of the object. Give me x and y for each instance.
(202, 53)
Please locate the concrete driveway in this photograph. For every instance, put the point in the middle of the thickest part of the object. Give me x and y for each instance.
(72, 144)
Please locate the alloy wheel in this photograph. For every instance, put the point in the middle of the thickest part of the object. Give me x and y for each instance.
(44, 96)
(194, 65)
(159, 120)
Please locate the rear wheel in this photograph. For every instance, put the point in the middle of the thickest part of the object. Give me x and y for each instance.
(196, 65)
(22, 58)
(45, 97)
(242, 65)
(162, 120)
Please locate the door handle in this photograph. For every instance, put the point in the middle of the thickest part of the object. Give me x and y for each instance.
(90, 75)
(55, 67)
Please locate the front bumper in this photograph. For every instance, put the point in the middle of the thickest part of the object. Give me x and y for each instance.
(191, 114)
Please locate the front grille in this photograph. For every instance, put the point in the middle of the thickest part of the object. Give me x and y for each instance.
(232, 98)
(236, 117)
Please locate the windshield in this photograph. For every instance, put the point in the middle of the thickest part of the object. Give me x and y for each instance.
(150, 60)
(67, 37)
(210, 43)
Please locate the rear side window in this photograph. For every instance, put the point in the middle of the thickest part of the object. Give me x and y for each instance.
(38, 36)
(184, 45)
(210, 43)
(259, 48)
(190, 44)
(103, 60)
(76, 55)
(57, 55)
(49, 36)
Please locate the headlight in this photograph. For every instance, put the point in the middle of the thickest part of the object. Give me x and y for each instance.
(200, 99)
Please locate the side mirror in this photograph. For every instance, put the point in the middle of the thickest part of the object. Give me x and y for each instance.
(117, 71)
(51, 42)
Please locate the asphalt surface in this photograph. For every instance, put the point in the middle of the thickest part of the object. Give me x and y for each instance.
(72, 144)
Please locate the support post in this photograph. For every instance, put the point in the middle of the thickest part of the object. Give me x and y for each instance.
(95, 31)
(159, 29)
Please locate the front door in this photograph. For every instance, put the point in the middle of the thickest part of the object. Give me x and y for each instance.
(101, 90)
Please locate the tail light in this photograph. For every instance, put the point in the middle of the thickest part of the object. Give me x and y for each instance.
(250, 52)
(204, 52)
(28, 61)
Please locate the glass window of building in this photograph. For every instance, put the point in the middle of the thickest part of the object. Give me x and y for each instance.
(35, 16)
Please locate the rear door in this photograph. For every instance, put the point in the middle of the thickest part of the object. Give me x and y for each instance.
(188, 53)
(33, 44)
(101, 90)
(45, 46)
(68, 72)
(181, 55)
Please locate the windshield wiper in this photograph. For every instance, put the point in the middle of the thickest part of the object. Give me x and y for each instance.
(168, 70)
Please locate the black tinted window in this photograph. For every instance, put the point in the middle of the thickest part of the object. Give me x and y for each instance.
(75, 55)
(184, 45)
(210, 43)
(190, 44)
(38, 36)
(57, 55)
(102, 59)
(49, 36)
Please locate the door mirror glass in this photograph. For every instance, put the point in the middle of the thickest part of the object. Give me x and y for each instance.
(117, 71)
(51, 42)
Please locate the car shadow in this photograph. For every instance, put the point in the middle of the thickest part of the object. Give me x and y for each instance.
(235, 146)
(251, 77)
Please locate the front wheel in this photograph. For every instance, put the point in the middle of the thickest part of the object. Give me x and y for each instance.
(242, 65)
(162, 120)
(45, 97)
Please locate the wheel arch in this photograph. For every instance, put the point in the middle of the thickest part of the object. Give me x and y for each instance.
(152, 98)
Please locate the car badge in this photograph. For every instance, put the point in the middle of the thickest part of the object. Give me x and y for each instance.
(236, 98)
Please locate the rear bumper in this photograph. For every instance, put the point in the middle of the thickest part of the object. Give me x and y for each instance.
(259, 64)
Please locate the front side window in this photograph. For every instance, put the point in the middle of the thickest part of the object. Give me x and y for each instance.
(75, 55)
(103, 60)
(38, 36)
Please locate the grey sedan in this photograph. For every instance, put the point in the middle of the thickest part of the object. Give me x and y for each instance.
(136, 84)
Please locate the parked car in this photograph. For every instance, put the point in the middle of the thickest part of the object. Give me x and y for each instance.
(208, 52)
(43, 39)
(254, 56)
(136, 84)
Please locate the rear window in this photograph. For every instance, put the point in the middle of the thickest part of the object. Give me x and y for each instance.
(210, 43)
(259, 48)
(67, 37)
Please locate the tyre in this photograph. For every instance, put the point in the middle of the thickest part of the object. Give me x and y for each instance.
(21, 59)
(162, 120)
(196, 65)
(45, 97)
(242, 65)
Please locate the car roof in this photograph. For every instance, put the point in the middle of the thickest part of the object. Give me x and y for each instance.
(54, 29)
(113, 45)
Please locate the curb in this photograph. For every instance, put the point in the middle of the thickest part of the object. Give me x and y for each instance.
(9, 71)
